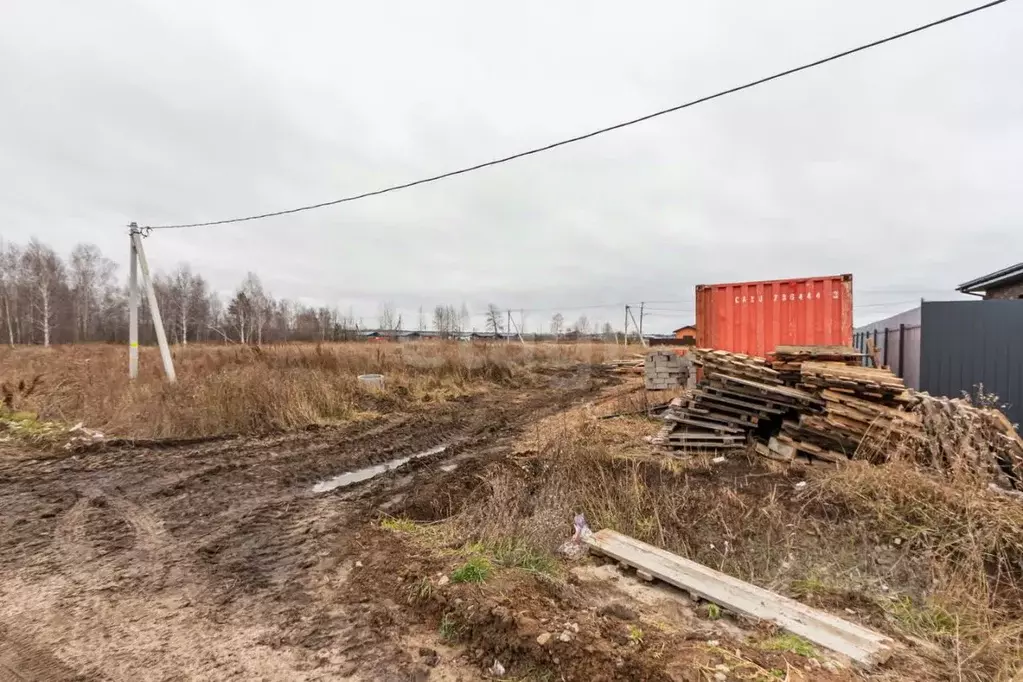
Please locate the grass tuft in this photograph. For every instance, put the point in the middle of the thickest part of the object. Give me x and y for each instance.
(399, 525)
(476, 570)
(450, 629)
(787, 642)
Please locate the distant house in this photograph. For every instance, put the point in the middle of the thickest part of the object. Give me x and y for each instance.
(1003, 284)
(687, 334)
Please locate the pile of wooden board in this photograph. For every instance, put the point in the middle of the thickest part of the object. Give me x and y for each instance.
(788, 360)
(726, 407)
(734, 364)
(632, 365)
(819, 404)
(961, 436)
(864, 411)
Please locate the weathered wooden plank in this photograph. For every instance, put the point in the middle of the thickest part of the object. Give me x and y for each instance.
(712, 394)
(855, 641)
(702, 424)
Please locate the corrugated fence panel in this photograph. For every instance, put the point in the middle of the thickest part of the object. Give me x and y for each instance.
(969, 344)
(902, 355)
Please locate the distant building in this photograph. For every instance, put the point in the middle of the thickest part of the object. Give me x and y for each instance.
(687, 334)
(1003, 284)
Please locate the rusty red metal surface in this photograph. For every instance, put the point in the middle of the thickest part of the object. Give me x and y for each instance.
(757, 317)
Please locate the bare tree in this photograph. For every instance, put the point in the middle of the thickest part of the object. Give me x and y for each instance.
(260, 306)
(445, 320)
(582, 325)
(186, 292)
(557, 324)
(422, 320)
(464, 318)
(10, 263)
(239, 316)
(92, 276)
(45, 274)
(388, 317)
(495, 320)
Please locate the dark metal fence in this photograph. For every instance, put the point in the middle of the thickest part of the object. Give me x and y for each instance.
(897, 347)
(966, 345)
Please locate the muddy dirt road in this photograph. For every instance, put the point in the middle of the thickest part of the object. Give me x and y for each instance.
(218, 560)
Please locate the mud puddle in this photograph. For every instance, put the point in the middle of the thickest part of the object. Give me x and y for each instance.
(352, 477)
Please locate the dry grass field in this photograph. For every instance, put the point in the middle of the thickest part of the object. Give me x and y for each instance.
(240, 389)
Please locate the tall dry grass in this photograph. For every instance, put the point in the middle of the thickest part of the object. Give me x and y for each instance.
(954, 580)
(238, 389)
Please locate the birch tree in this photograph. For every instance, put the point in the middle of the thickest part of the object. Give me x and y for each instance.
(45, 274)
(495, 321)
(10, 263)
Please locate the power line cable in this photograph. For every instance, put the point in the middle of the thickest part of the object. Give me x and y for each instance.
(601, 131)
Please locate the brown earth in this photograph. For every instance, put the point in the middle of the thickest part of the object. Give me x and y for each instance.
(217, 561)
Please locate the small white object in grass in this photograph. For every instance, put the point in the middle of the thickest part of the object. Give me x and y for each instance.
(718, 460)
(713, 642)
(581, 528)
(497, 670)
(898, 541)
(358, 564)
(800, 485)
(444, 580)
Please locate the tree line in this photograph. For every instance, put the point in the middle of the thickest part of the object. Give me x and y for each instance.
(48, 299)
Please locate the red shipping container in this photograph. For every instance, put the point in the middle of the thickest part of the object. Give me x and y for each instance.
(757, 317)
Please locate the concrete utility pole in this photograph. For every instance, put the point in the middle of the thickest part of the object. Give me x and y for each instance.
(626, 325)
(133, 308)
(641, 305)
(637, 326)
(138, 255)
(508, 326)
(518, 331)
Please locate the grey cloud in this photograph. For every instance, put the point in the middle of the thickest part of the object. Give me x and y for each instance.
(899, 165)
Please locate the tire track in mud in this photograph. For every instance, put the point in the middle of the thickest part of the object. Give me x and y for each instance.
(88, 530)
(233, 530)
(21, 662)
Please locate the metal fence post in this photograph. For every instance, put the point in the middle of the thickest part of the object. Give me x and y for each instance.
(902, 350)
(884, 359)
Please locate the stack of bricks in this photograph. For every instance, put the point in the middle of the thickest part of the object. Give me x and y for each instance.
(664, 370)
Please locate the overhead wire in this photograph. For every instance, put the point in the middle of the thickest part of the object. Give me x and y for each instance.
(594, 133)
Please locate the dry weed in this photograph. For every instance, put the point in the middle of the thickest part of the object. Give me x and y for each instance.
(235, 389)
(956, 577)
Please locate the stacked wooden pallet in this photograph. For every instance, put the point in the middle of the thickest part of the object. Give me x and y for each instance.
(727, 406)
(788, 360)
(864, 410)
(735, 364)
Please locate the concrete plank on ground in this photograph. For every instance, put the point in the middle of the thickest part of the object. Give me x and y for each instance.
(855, 641)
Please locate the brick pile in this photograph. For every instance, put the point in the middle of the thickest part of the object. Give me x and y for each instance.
(664, 370)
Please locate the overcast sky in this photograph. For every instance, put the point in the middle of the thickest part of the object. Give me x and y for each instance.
(902, 165)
